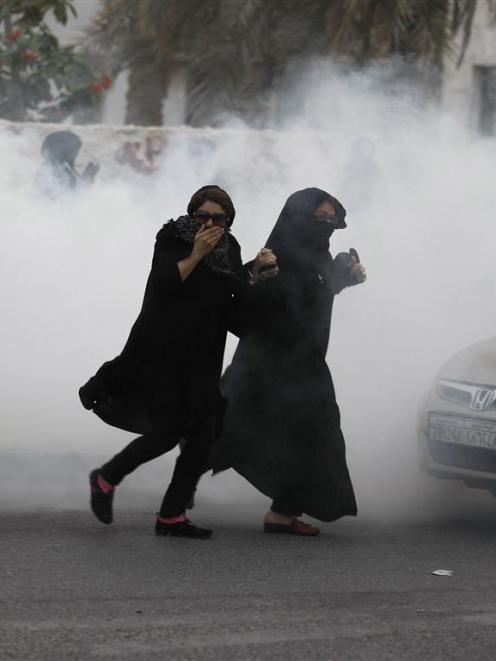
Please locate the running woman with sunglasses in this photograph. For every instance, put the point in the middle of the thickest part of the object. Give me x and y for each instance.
(164, 384)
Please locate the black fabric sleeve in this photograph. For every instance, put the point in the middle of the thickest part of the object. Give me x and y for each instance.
(341, 276)
(256, 305)
(165, 275)
(236, 319)
(169, 250)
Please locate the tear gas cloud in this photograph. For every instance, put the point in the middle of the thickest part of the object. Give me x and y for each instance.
(420, 195)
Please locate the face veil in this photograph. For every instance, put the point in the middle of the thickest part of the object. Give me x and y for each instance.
(297, 237)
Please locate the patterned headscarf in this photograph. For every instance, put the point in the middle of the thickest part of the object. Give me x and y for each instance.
(219, 259)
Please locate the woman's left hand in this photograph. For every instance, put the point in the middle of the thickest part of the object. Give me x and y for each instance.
(265, 266)
(357, 271)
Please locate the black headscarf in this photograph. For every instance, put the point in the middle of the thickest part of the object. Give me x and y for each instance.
(61, 147)
(297, 237)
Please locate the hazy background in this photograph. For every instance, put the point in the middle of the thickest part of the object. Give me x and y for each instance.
(421, 196)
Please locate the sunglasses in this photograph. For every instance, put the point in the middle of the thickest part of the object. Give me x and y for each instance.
(329, 220)
(204, 216)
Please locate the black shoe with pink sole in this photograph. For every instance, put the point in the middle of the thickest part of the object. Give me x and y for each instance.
(100, 500)
(182, 529)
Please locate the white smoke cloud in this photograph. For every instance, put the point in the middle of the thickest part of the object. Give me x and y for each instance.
(72, 274)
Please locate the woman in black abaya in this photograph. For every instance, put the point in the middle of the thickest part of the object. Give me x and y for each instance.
(165, 383)
(282, 426)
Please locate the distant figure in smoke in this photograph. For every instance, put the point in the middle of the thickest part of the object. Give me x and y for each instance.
(165, 383)
(282, 426)
(363, 179)
(60, 150)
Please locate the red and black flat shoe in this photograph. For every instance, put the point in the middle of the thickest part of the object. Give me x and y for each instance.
(296, 527)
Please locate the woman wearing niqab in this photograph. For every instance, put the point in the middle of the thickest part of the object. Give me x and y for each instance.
(282, 426)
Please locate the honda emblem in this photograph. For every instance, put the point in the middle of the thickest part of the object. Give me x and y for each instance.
(482, 399)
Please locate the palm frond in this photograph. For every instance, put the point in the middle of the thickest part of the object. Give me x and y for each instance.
(236, 51)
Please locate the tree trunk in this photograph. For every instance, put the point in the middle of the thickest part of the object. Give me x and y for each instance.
(15, 107)
(147, 86)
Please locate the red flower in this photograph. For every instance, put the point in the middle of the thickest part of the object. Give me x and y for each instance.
(29, 56)
(95, 87)
(105, 81)
(13, 35)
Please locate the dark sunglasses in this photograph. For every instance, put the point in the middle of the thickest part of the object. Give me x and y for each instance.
(334, 221)
(204, 216)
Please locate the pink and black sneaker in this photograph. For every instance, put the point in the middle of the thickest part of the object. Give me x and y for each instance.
(101, 497)
(180, 526)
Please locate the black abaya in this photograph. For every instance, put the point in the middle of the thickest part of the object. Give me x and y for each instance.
(166, 378)
(282, 427)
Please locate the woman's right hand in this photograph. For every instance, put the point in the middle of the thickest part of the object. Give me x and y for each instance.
(205, 241)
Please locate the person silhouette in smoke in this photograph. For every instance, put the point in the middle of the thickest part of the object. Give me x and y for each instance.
(59, 151)
(363, 180)
(282, 424)
(165, 383)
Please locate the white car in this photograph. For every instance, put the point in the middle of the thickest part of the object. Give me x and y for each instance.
(457, 430)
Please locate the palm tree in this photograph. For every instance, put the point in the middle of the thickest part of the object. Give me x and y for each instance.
(266, 38)
(236, 52)
(124, 35)
(377, 28)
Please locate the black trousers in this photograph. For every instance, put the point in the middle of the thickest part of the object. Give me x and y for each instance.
(190, 465)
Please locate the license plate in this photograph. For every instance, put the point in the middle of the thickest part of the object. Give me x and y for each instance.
(462, 431)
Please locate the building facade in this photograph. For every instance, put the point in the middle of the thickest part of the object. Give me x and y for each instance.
(469, 88)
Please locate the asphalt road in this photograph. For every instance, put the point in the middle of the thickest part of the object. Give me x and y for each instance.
(74, 589)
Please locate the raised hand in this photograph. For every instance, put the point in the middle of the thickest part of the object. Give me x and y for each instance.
(265, 266)
(205, 241)
(356, 268)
